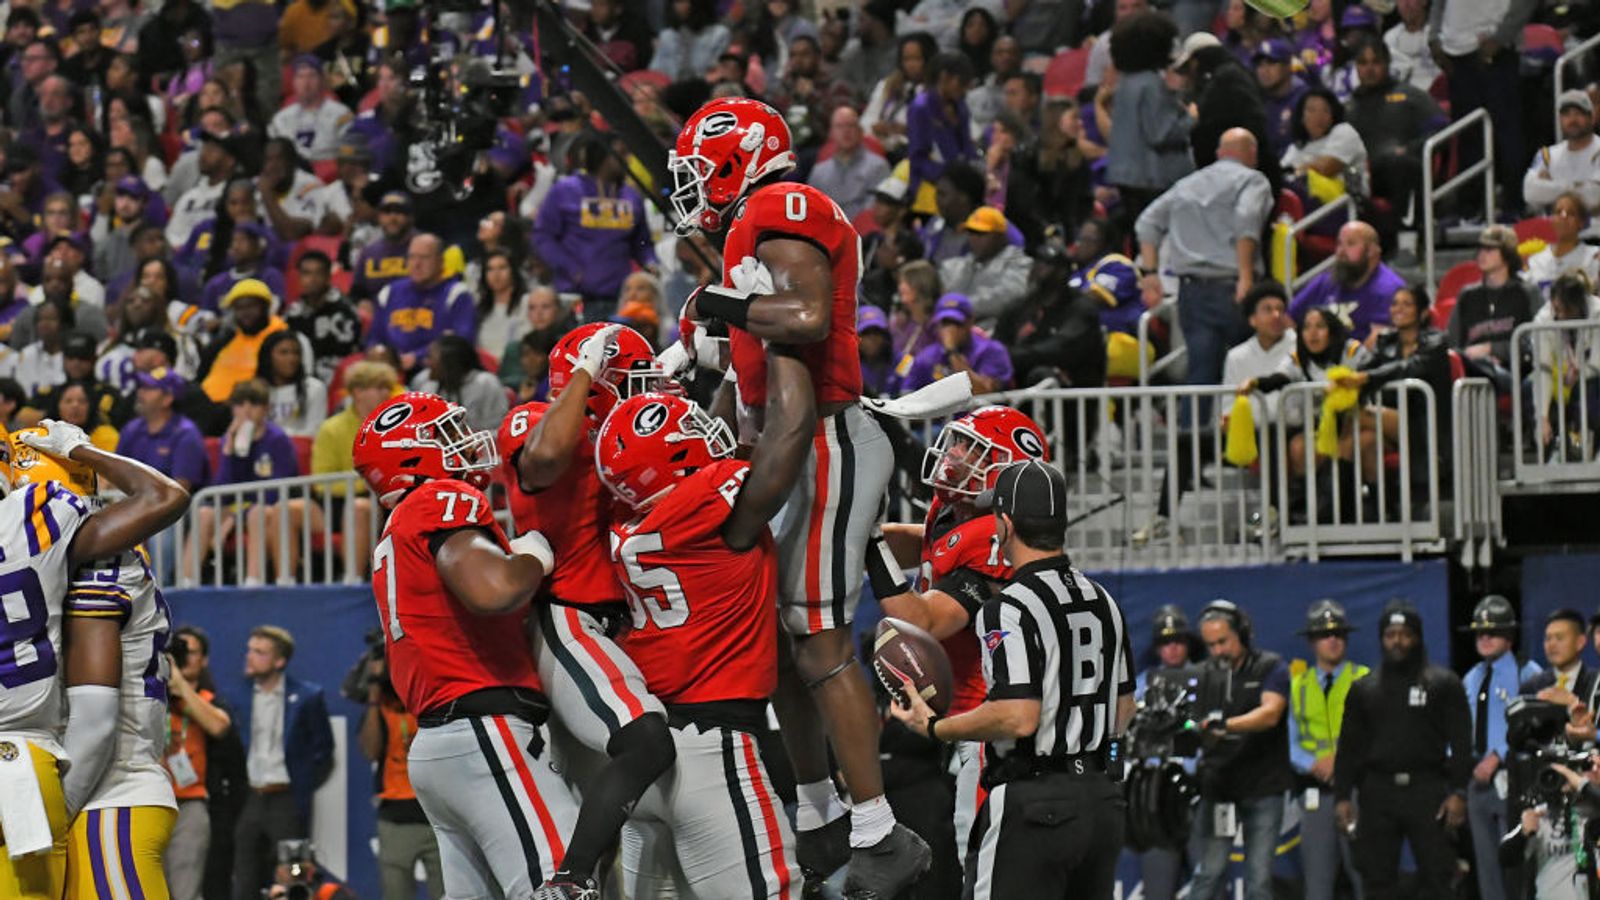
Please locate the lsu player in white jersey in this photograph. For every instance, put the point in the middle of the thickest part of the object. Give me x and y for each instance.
(118, 794)
(47, 532)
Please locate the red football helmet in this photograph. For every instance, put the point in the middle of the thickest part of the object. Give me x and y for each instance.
(724, 148)
(650, 442)
(971, 451)
(416, 437)
(630, 368)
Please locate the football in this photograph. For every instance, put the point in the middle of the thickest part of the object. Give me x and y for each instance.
(902, 648)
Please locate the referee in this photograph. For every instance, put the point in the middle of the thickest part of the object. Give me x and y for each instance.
(1060, 688)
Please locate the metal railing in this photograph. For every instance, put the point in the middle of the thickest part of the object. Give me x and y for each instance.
(1562, 62)
(1431, 194)
(285, 531)
(1346, 204)
(1148, 368)
(1354, 504)
(1562, 383)
(1476, 498)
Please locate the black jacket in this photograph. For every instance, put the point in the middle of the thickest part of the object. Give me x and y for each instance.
(1486, 314)
(1057, 332)
(1417, 724)
(1244, 766)
(1229, 98)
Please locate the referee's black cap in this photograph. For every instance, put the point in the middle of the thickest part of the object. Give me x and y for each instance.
(1028, 490)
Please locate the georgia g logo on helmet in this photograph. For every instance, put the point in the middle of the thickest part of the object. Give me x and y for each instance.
(1028, 443)
(392, 417)
(715, 125)
(650, 419)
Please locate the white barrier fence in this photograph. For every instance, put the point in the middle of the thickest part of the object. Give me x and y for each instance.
(1555, 380)
(1432, 194)
(1128, 463)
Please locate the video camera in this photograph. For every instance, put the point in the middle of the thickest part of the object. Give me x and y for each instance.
(459, 103)
(358, 680)
(1536, 734)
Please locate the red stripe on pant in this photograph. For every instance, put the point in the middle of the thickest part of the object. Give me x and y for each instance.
(769, 817)
(546, 824)
(609, 667)
(819, 509)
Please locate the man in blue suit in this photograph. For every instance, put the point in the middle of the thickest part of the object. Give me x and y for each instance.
(288, 740)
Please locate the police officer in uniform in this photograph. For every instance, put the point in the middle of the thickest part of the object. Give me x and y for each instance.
(1060, 683)
(1244, 769)
(1173, 657)
(1317, 695)
(1490, 685)
(1405, 754)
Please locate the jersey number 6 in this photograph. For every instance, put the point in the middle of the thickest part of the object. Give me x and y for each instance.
(654, 593)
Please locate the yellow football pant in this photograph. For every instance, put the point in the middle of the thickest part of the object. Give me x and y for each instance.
(117, 853)
(40, 876)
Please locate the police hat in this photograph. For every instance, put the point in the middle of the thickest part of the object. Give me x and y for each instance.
(1325, 617)
(1492, 615)
(1169, 623)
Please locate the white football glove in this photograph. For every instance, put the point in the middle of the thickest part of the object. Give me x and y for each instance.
(59, 438)
(751, 276)
(593, 352)
(534, 544)
(675, 360)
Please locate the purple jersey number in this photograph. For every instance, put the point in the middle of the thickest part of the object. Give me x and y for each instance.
(26, 654)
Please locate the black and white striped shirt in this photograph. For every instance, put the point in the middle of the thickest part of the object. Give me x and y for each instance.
(1055, 636)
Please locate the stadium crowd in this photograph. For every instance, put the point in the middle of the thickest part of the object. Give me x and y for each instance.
(214, 228)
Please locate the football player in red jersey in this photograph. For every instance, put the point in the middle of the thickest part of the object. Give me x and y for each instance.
(597, 693)
(446, 580)
(700, 570)
(959, 562)
(791, 263)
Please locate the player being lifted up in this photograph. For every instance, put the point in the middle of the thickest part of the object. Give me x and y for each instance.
(598, 695)
(959, 563)
(46, 532)
(700, 570)
(453, 594)
(791, 262)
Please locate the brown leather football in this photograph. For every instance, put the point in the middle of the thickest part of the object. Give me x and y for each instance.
(902, 648)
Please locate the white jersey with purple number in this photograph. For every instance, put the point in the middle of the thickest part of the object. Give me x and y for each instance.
(37, 525)
(124, 589)
(315, 130)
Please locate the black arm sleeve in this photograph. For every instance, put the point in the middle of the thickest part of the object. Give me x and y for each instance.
(969, 588)
(1513, 847)
(1266, 384)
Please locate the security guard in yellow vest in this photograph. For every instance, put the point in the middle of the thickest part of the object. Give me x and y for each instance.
(1316, 708)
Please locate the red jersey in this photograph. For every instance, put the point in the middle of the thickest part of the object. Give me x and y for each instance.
(792, 210)
(705, 624)
(438, 649)
(573, 516)
(963, 560)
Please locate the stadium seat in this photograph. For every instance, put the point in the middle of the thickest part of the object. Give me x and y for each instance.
(302, 453)
(1461, 275)
(1539, 227)
(214, 456)
(1458, 367)
(1542, 44)
(488, 361)
(1064, 76)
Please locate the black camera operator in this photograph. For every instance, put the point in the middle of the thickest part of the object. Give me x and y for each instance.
(1244, 770)
(299, 877)
(404, 835)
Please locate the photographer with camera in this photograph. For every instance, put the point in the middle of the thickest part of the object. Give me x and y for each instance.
(1244, 769)
(404, 835)
(1405, 752)
(1317, 694)
(1490, 685)
(195, 719)
(299, 876)
(1555, 837)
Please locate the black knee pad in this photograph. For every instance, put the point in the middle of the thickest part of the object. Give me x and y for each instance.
(642, 748)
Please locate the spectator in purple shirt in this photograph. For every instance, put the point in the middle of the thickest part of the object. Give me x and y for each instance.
(254, 448)
(877, 356)
(1359, 286)
(159, 437)
(1281, 90)
(960, 349)
(423, 305)
(383, 261)
(248, 249)
(591, 229)
(22, 199)
(938, 128)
